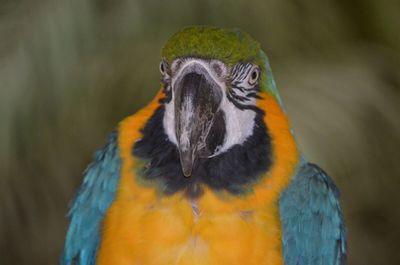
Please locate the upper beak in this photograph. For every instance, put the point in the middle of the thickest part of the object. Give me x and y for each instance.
(197, 101)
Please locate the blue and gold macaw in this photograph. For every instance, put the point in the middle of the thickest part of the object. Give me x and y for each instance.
(208, 173)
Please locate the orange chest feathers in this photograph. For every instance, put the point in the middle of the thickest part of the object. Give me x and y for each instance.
(143, 228)
(174, 230)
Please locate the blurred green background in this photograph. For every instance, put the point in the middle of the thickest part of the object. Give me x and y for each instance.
(71, 69)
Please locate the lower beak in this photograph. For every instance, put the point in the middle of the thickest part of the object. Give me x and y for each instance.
(197, 100)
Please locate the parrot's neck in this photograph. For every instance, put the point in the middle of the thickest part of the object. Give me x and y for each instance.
(234, 170)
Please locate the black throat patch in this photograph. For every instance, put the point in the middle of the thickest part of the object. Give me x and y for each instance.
(234, 170)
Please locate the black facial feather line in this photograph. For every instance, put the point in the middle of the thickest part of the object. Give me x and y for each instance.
(238, 94)
(234, 170)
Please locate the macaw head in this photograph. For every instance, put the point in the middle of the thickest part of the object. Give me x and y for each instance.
(212, 79)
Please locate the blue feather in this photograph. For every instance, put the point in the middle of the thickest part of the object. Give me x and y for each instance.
(90, 205)
(312, 222)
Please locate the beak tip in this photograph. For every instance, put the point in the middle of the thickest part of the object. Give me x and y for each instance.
(186, 163)
(187, 172)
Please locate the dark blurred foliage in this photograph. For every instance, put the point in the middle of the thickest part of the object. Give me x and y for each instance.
(71, 69)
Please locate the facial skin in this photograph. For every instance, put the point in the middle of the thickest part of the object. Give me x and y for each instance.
(211, 106)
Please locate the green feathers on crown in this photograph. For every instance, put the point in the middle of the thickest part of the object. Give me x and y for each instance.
(230, 46)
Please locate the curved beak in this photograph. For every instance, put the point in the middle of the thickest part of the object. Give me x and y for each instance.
(197, 101)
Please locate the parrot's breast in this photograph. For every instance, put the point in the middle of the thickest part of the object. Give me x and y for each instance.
(174, 230)
(146, 227)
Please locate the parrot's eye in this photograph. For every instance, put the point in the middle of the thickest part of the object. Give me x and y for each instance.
(253, 76)
(163, 67)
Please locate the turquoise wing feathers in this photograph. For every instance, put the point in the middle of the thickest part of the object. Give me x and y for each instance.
(90, 205)
(312, 222)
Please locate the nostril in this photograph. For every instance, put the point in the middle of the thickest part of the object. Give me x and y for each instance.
(217, 68)
(176, 65)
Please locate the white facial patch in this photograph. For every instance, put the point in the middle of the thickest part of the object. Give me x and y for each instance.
(239, 125)
(169, 120)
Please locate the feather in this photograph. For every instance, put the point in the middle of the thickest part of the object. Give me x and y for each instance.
(313, 229)
(91, 203)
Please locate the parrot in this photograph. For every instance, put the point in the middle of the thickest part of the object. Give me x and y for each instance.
(209, 172)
